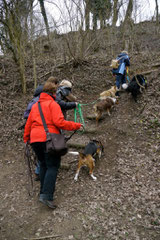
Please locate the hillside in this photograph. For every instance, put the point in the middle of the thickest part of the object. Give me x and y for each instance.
(124, 201)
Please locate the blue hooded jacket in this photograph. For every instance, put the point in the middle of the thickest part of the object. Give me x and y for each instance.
(123, 63)
(61, 98)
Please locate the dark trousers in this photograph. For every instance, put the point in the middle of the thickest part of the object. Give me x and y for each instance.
(120, 79)
(49, 165)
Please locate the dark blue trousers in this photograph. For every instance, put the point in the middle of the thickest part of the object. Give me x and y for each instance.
(120, 79)
(49, 165)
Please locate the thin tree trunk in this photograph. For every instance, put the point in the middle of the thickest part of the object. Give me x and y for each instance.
(128, 12)
(33, 49)
(87, 10)
(43, 11)
(157, 14)
(101, 18)
(95, 20)
(115, 13)
(22, 68)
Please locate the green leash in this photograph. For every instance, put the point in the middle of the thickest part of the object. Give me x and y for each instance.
(77, 111)
(85, 104)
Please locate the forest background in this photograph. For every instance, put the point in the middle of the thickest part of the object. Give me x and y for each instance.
(76, 40)
(22, 25)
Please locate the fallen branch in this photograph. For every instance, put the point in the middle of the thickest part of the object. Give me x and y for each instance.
(148, 72)
(76, 145)
(45, 74)
(155, 65)
(57, 66)
(140, 112)
(152, 228)
(73, 161)
(65, 166)
(90, 130)
(92, 117)
(45, 237)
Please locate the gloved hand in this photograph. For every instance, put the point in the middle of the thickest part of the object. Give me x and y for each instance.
(76, 104)
(82, 127)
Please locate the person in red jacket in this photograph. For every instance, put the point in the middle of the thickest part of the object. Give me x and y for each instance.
(34, 133)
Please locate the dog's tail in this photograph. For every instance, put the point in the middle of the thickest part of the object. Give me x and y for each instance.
(74, 153)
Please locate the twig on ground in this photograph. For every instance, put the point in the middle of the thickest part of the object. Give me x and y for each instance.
(57, 66)
(76, 145)
(45, 237)
(73, 161)
(148, 72)
(142, 109)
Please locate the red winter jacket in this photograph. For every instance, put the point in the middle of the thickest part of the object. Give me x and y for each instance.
(34, 130)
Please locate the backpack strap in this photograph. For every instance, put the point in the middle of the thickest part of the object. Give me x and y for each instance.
(43, 119)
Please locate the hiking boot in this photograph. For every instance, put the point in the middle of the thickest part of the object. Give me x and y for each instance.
(48, 203)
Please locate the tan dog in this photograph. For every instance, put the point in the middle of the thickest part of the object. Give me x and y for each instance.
(109, 93)
(104, 105)
(92, 150)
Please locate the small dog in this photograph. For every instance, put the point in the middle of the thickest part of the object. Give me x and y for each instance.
(92, 151)
(136, 86)
(104, 105)
(109, 93)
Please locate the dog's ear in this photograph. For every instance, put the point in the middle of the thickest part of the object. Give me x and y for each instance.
(99, 143)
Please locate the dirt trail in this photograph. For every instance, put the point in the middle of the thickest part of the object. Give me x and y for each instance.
(121, 204)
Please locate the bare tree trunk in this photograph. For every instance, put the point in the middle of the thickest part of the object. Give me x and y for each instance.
(14, 31)
(115, 13)
(95, 18)
(87, 11)
(157, 14)
(102, 19)
(21, 67)
(12, 18)
(43, 11)
(32, 48)
(129, 11)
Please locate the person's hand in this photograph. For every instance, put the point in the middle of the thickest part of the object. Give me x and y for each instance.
(77, 104)
(82, 127)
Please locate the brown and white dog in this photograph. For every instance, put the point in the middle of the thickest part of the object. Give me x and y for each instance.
(92, 151)
(104, 105)
(108, 93)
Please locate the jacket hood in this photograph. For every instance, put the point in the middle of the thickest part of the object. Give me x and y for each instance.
(38, 90)
(46, 96)
(64, 88)
(123, 54)
(66, 83)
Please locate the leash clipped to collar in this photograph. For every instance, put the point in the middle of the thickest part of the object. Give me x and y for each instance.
(128, 79)
(77, 111)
